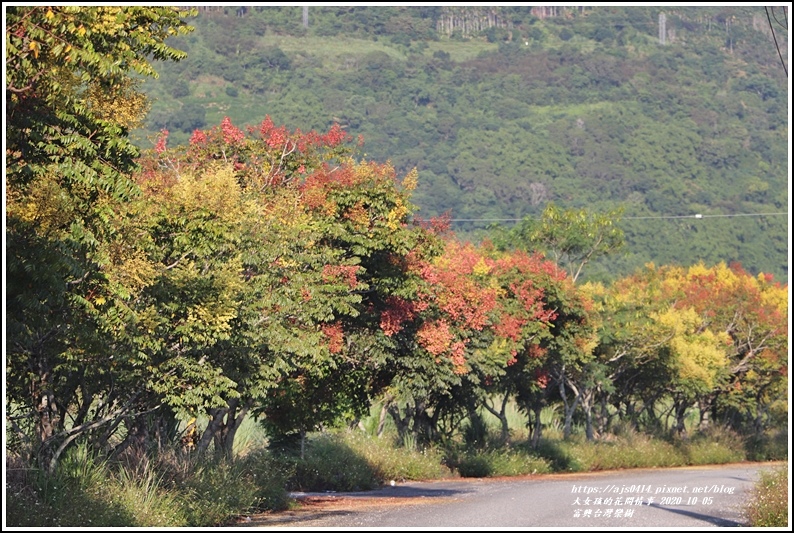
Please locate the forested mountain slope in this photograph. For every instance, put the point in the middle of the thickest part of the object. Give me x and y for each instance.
(670, 112)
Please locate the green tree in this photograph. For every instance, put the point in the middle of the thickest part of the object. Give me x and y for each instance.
(570, 237)
(67, 171)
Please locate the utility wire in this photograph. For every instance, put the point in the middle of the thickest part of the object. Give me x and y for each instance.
(697, 215)
(775, 38)
(785, 27)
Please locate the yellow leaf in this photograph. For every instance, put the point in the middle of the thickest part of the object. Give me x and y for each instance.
(99, 300)
(481, 268)
(49, 14)
(34, 46)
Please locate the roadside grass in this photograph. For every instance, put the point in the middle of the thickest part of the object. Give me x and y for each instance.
(86, 492)
(769, 446)
(714, 446)
(367, 462)
(498, 463)
(171, 490)
(393, 462)
(768, 505)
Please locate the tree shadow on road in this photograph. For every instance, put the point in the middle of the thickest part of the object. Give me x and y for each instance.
(715, 520)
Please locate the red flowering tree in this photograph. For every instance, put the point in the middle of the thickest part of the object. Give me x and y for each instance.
(479, 326)
(262, 157)
(452, 313)
(364, 212)
(555, 338)
(320, 243)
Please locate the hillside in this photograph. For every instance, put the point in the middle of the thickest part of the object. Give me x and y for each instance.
(503, 110)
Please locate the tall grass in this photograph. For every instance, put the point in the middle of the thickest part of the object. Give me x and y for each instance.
(171, 490)
(392, 462)
(496, 463)
(144, 497)
(714, 446)
(768, 506)
(630, 449)
(350, 460)
(87, 492)
(330, 463)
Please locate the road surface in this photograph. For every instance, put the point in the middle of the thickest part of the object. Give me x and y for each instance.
(664, 498)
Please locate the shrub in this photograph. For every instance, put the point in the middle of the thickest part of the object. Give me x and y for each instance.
(558, 455)
(270, 476)
(330, 464)
(502, 463)
(770, 446)
(474, 466)
(714, 446)
(389, 461)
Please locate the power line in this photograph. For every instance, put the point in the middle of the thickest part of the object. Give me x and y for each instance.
(785, 27)
(775, 38)
(696, 215)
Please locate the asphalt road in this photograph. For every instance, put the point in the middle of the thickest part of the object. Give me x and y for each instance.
(662, 498)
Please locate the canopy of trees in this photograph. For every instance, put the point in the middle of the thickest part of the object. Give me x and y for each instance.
(281, 274)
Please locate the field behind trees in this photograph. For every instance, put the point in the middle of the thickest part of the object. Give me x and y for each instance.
(196, 328)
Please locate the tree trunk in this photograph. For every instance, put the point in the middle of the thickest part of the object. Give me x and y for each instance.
(569, 407)
(680, 408)
(501, 415)
(224, 438)
(384, 410)
(705, 406)
(402, 424)
(424, 425)
(587, 406)
(537, 434)
(47, 418)
(216, 420)
(604, 418)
